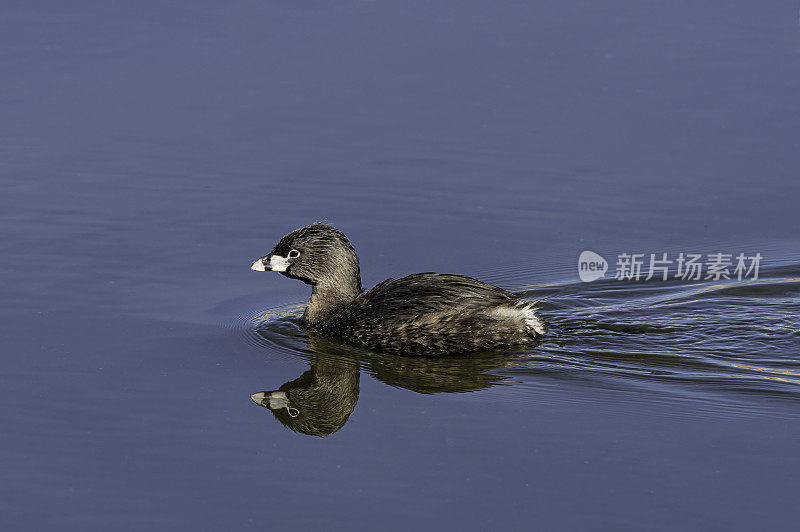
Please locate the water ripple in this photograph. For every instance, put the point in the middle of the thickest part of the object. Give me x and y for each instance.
(711, 343)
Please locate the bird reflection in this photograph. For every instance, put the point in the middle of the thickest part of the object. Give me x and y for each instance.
(320, 401)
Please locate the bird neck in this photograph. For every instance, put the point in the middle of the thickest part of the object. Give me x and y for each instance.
(328, 298)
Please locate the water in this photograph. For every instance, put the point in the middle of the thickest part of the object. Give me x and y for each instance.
(148, 155)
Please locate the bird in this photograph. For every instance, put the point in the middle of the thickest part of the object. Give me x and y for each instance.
(420, 315)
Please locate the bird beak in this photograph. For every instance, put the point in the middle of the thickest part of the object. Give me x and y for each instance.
(261, 265)
(274, 263)
(271, 400)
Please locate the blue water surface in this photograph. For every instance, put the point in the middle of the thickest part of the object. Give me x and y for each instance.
(150, 151)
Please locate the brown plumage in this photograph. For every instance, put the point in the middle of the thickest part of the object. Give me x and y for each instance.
(424, 314)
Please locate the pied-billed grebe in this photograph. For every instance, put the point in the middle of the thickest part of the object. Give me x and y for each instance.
(424, 314)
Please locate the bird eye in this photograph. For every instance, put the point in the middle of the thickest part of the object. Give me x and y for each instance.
(293, 254)
(293, 411)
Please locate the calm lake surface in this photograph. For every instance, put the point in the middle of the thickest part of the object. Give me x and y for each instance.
(150, 152)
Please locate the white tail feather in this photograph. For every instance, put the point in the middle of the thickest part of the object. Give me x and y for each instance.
(531, 319)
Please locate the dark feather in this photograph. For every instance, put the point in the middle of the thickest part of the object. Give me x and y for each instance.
(424, 314)
(430, 314)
